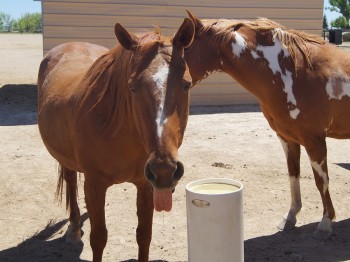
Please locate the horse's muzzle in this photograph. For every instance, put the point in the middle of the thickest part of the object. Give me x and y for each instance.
(163, 175)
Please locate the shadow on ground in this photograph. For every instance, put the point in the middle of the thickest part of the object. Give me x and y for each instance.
(205, 110)
(134, 260)
(18, 105)
(344, 165)
(298, 245)
(292, 245)
(39, 248)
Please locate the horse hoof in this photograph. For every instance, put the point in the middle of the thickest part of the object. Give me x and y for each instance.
(321, 234)
(73, 238)
(286, 224)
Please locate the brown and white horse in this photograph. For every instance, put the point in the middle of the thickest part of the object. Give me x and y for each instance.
(301, 83)
(117, 116)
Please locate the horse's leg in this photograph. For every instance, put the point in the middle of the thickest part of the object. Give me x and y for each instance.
(95, 196)
(317, 151)
(145, 216)
(73, 233)
(292, 152)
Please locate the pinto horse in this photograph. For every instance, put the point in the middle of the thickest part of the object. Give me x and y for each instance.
(301, 83)
(117, 116)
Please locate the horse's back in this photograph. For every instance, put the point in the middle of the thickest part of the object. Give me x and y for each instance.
(60, 73)
(67, 62)
(334, 63)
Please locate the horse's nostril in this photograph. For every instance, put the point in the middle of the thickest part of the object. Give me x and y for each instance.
(179, 171)
(148, 173)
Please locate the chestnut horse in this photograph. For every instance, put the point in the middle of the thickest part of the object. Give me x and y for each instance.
(117, 116)
(301, 83)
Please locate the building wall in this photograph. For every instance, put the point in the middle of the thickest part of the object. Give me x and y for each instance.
(93, 21)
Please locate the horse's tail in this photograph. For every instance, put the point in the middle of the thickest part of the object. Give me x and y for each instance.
(60, 184)
(62, 171)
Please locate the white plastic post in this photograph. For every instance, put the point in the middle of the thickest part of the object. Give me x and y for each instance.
(215, 220)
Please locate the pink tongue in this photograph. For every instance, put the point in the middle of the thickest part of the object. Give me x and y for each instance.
(162, 200)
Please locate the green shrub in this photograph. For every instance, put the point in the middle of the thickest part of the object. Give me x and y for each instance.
(346, 37)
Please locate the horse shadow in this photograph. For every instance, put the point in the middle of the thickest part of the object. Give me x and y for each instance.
(298, 245)
(39, 248)
(18, 105)
(344, 165)
(220, 109)
(135, 260)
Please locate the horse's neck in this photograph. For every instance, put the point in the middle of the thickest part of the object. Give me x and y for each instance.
(253, 67)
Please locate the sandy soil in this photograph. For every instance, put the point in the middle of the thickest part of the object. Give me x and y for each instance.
(232, 141)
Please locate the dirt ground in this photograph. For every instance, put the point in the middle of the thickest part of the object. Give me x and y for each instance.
(228, 141)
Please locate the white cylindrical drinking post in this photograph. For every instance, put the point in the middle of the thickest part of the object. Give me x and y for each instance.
(215, 220)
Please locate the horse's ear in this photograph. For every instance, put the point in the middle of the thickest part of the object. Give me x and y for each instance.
(127, 40)
(184, 36)
(197, 23)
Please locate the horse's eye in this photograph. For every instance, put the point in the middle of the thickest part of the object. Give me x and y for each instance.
(186, 84)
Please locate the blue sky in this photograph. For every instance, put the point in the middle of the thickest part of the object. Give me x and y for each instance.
(330, 15)
(16, 8)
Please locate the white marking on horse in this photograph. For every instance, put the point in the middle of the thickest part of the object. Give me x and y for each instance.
(255, 54)
(318, 168)
(160, 78)
(294, 113)
(338, 88)
(296, 196)
(288, 87)
(294, 188)
(271, 53)
(239, 45)
(325, 224)
(290, 219)
(284, 145)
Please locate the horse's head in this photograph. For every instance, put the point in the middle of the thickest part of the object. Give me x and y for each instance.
(159, 83)
(201, 56)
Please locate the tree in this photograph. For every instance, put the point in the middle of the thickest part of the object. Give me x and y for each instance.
(29, 23)
(343, 7)
(325, 23)
(6, 22)
(340, 22)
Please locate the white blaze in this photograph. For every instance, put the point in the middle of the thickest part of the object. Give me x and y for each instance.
(160, 78)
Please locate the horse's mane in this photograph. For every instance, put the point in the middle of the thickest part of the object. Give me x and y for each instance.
(107, 94)
(294, 41)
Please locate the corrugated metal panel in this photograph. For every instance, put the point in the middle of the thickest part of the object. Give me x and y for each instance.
(93, 21)
(130, 23)
(68, 20)
(179, 11)
(223, 3)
